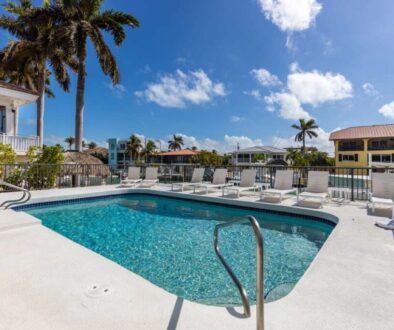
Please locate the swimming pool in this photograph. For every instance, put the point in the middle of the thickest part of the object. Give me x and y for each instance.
(170, 243)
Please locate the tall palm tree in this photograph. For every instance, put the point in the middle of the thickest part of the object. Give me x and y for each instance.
(83, 20)
(306, 128)
(134, 147)
(176, 143)
(70, 141)
(37, 44)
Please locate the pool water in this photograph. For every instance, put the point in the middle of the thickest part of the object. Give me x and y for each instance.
(170, 243)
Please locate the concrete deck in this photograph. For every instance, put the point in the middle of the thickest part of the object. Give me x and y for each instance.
(50, 282)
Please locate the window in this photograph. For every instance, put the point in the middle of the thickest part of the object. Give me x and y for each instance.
(112, 156)
(122, 146)
(348, 158)
(351, 145)
(378, 145)
(382, 158)
(243, 158)
(386, 158)
(376, 158)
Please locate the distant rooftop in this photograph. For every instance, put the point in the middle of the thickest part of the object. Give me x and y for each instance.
(363, 132)
(17, 88)
(184, 152)
(266, 149)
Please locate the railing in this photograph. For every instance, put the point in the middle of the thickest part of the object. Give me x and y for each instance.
(259, 268)
(35, 176)
(26, 195)
(19, 143)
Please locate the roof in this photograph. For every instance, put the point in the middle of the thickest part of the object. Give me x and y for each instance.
(17, 88)
(265, 149)
(363, 132)
(184, 152)
(97, 150)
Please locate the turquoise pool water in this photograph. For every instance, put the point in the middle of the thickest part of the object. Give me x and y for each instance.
(170, 243)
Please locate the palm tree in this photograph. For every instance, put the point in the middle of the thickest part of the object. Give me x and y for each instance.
(92, 145)
(306, 128)
(134, 147)
(83, 20)
(176, 143)
(70, 141)
(37, 44)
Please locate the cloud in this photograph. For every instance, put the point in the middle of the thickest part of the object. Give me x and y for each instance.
(255, 94)
(227, 144)
(387, 110)
(370, 90)
(265, 78)
(117, 91)
(315, 88)
(235, 119)
(322, 142)
(289, 106)
(181, 89)
(290, 15)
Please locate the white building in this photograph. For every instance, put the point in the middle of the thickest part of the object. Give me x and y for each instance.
(248, 155)
(11, 98)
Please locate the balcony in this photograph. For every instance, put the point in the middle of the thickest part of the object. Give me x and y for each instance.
(20, 144)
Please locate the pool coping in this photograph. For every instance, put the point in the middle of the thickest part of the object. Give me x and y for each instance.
(300, 314)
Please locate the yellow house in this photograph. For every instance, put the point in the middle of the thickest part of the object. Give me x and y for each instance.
(364, 146)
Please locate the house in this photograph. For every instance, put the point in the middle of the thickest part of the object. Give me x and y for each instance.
(174, 157)
(364, 146)
(118, 156)
(251, 155)
(12, 97)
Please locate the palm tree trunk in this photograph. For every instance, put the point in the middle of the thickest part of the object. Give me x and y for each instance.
(80, 100)
(303, 145)
(41, 105)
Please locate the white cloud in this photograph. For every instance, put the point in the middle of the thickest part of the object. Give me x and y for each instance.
(255, 94)
(322, 142)
(370, 89)
(315, 88)
(180, 89)
(265, 78)
(235, 119)
(117, 91)
(289, 106)
(227, 144)
(387, 110)
(291, 15)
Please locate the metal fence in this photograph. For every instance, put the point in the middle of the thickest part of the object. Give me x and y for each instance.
(36, 177)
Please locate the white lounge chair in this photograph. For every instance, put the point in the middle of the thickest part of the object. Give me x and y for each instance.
(133, 176)
(219, 181)
(317, 187)
(248, 182)
(150, 177)
(197, 178)
(382, 190)
(282, 187)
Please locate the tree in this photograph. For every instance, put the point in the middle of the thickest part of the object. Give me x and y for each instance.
(306, 128)
(7, 154)
(206, 158)
(176, 143)
(81, 20)
(70, 141)
(92, 145)
(150, 148)
(134, 147)
(258, 158)
(37, 44)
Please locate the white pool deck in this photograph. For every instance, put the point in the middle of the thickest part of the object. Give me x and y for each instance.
(49, 282)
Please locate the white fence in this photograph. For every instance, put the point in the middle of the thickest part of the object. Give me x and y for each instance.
(19, 143)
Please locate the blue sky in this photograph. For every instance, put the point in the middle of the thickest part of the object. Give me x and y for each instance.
(227, 71)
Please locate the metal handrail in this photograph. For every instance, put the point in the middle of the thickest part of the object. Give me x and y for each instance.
(12, 202)
(259, 268)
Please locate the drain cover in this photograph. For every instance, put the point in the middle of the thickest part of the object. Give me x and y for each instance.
(99, 290)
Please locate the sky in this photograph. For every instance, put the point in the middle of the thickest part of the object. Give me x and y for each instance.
(236, 71)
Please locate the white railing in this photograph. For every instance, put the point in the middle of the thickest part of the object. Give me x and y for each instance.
(19, 143)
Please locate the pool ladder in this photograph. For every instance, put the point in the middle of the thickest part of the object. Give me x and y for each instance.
(259, 269)
(26, 195)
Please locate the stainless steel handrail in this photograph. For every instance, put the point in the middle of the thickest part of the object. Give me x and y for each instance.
(12, 202)
(259, 268)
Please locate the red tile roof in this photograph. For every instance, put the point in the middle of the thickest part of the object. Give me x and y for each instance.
(17, 88)
(184, 152)
(363, 132)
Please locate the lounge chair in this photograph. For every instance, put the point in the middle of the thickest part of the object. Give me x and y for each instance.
(150, 177)
(133, 177)
(382, 190)
(389, 226)
(282, 187)
(248, 182)
(219, 181)
(197, 178)
(317, 187)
